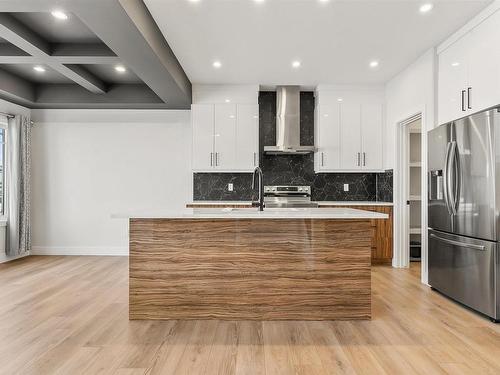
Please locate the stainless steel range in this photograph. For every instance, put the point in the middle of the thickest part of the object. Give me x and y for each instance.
(288, 197)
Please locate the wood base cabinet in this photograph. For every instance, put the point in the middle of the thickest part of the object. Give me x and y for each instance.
(382, 239)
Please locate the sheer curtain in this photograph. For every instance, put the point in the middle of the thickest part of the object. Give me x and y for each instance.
(18, 185)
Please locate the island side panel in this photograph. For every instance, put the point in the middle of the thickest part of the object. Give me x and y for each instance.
(255, 269)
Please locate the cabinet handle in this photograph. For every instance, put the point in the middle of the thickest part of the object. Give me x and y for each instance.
(364, 159)
(469, 95)
(322, 159)
(359, 159)
(463, 101)
(211, 159)
(216, 159)
(254, 159)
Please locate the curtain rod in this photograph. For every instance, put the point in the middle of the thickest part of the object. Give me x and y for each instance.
(10, 115)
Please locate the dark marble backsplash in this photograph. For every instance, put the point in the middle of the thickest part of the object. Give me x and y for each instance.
(292, 169)
(325, 186)
(384, 186)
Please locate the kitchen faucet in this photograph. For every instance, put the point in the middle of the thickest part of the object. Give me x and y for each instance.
(260, 203)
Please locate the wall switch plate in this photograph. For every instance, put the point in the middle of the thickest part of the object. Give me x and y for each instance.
(346, 187)
(230, 187)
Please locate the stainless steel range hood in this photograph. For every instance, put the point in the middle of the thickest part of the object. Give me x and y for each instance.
(288, 123)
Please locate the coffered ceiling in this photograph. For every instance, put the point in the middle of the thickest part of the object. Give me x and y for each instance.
(97, 54)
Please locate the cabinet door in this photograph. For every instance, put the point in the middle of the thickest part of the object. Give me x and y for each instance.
(484, 65)
(329, 136)
(247, 137)
(350, 135)
(225, 136)
(371, 136)
(202, 118)
(453, 69)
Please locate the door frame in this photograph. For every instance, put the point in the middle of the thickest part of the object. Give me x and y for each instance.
(401, 258)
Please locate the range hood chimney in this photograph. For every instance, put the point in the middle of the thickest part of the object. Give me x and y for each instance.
(288, 123)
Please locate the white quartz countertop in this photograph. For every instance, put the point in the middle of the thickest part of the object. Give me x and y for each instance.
(354, 203)
(221, 203)
(321, 203)
(254, 213)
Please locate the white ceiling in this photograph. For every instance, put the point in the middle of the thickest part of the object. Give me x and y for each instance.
(335, 41)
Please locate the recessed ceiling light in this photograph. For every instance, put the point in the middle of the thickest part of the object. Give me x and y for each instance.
(216, 64)
(259, 1)
(373, 64)
(340, 99)
(194, 1)
(455, 64)
(424, 8)
(39, 69)
(59, 14)
(120, 69)
(324, 1)
(228, 100)
(296, 64)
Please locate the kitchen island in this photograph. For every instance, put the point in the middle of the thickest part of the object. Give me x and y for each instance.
(239, 263)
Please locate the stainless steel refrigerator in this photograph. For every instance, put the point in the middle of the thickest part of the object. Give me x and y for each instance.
(464, 207)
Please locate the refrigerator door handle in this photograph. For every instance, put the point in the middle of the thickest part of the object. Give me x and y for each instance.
(446, 181)
(451, 178)
(458, 243)
(457, 176)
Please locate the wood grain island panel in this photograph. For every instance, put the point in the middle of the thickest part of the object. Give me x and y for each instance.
(250, 269)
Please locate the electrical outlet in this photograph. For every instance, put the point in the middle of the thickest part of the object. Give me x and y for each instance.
(230, 187)
(346, 187)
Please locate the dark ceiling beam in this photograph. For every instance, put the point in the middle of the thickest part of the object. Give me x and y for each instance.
(19, 35)
(107, 60)
(133, 96)
(128, 28)
(16, 89)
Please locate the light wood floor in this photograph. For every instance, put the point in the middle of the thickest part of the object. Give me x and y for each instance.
(68, 315)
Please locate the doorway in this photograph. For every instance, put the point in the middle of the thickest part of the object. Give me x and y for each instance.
(410, 196)
(414, 183)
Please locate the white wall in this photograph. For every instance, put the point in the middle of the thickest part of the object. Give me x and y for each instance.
(410, 92)
(14, 109)
(89, 164)
(406, 94)
(215, 94)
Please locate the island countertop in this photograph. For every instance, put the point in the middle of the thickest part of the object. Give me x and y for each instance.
(200, 204)
(254, 213)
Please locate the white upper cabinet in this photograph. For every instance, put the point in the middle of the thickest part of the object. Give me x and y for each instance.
(484, 64)
(371, 136)
(329, 132)
(202, 118)
(247, 137)
(452, 90)
(349, 131)
(225, 137)
(469, 72)
(350, 135)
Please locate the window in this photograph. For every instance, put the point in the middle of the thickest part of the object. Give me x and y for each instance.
(3, 131)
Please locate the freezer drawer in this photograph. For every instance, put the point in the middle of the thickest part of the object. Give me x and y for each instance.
(464, 269)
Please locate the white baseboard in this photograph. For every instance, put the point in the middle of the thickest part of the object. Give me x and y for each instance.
(4, 258)
(88, 250)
